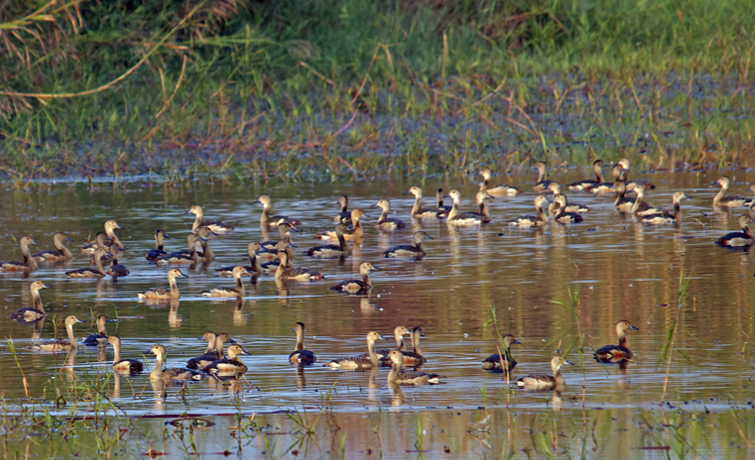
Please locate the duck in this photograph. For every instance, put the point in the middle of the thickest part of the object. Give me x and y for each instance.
(172, 373)
(110, 238)
(100, 242)
(666, 217)
(407, 250)
(399, 376)
(159, 293)
(343, 216)
(723, 201)
(27, 265)
(254, 267)
(624, 171)
(607, 187)
(60, 345)
(229, 365)
(268, 249)
(215, 346)
(31, 315)
(597, 166)
(398, 333)
(226, 291)
(300, 355)
(213, 225)
(443, 210)
(97, 272)
(556, 210)
(272, 266)
(353, 286)
(418, 212)
(743, 239)
(159, 250)
(206, 256)
(495, 190)
(545, 382)
(540, 220)
(355, 232)
(59, 254)
(359, 362)
(634, 206)
(508, 363)
(100, 338)
(266, 220)
(555, 188)
(640, 207)
(415, 357)
(542, 184)
(116, 270)
(332, 250)
(131, 366)
(457, 218)
(617, 353)
(384, 222)
(189, 256)
(284, 272)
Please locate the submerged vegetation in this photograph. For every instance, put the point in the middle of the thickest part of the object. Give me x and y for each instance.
(318, 89)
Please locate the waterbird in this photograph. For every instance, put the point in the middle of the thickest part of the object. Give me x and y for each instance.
(28, 315)
(355, 232)
(131, 366)
(60, 345)
(214, 350)
(495, 190)
(542, 184)
(110, 227)
(172, 373)
(458, 218)
(284, 272)
(555, 188)
(398, 334)
(359, 362)
(529, 220)
(666, 217)
(301, 355)
(213, 225)
(332, 250)
(28, 264)
(743, 239)
(399, 376)
(266, 220)
(100, 338)
(617, 353)
(268, 249)
(416, 250)
(558, 213)
(229, 365)
(226, 291)
(418, 212)
(343, 216)
(384, 222)
(354, 286)
(597, 166)
(721, 200)
(97, 272)
(545, 382)
(505, 363)
(158, 293)
(188, 256)
(59, 254)
(254, 267)
(159, 250)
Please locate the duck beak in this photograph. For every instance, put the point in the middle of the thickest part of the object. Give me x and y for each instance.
(294, 228)
(187, 211)
(489, 195)
(44, 286)
(165, 236)
(68, 239)
(633, 327)
(687, 196)
(293, 245)
(230, 340)
(79, 320)
(118, 226)
(567, 362)
(407, 192)
(516, 342)
(375, 269)
(34, 242)
(374, 206)
(183, 275)
(429, 237)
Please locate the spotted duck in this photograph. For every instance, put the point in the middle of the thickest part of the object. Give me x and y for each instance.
(300, 355)
(172, 373)
(418, 212)
(353, 286)
(254, 267)
(359, 362)
(407, 250)
(60, 345)
(666, 217)
(355, 232)
(495, 190)
(540, 220)
(131, 366)
(284, 272)
(28, 315)
(341, 249)
(229, 365)
(617, 353)
(597, 166)
(97, 272)
(215, 346)
(100, 338)
(266, 220)
(59, 254)
(215, 226)
(555, 188)
(507, 363)
(189, 257)
(399, 376)
(558, 213)
(542, 184)
(384, 222)
(743, 239)
(721, 200)
(159, 250)
(159, 293)
(457, 218)
(28, 264)
(226, 291)
(545, 382)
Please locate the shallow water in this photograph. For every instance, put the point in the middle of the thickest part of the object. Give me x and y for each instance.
(622, 269)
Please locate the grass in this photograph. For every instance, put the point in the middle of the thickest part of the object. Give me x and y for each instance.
(317, 91)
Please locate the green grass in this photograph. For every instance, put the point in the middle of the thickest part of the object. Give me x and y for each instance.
(316, 90)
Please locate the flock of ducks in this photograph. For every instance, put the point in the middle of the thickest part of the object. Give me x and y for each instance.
(277, 257)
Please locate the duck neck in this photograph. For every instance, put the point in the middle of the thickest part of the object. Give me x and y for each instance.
(27, 258)
(219, 346)
(540, 174)
(598, 174)
(98, 265)
(371, 351)
(197, 222)
(239, 285)
(454, 211)
(255, 263)
(159, 241)
(619, 198)
(399, 341)
(417, 204)
(721, 193)
(37, 301)
(281, 269)
(420, 247)
(415, 344)
(622, 338)
(542, 214)
(157, 370)
(395, 369)
(366, 278)
(210, 346)
(439, 197)
(173, 287)
(748, 232)
(342, 242)
(116, 353)
(265, 217)
(299, 339)
(638, 202)
(71, 337)
(207, 253)
(101, 328)
(383, 216)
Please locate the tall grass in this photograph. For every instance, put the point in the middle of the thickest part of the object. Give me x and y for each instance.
(288, 87)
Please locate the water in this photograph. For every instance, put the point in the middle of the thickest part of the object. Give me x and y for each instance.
(623, 270)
